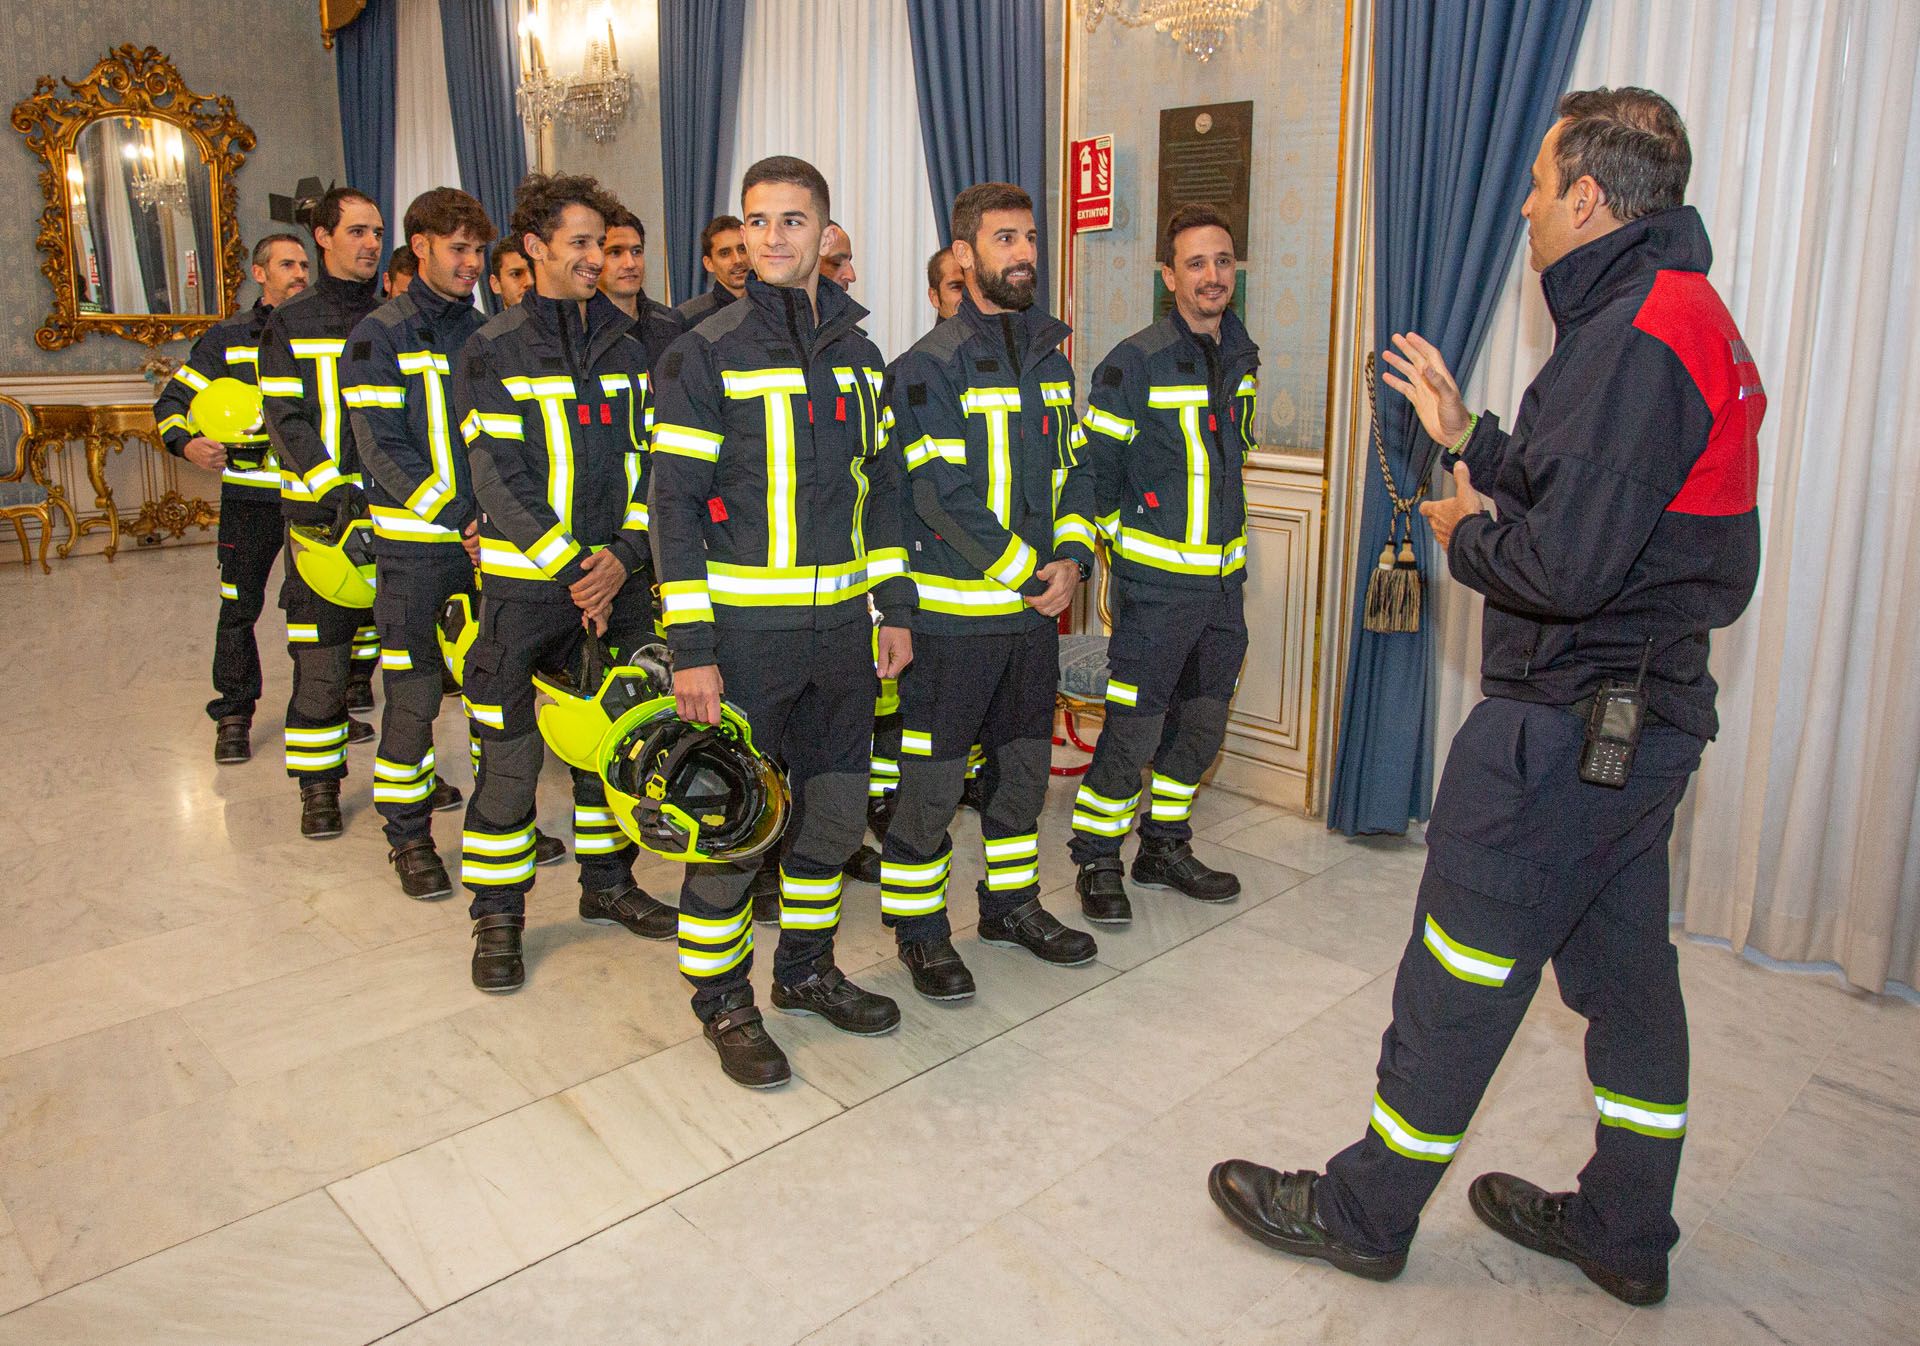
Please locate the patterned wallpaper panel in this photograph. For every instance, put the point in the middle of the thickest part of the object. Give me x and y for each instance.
(1287, 60)
(265, 54)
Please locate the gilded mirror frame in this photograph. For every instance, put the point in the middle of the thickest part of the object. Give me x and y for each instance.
(130, 81)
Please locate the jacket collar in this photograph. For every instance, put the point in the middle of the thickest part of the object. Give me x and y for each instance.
(787, 309)
(350, 292)
(436, 309)
(1583, 280)
(1035, 331)
(604, 320)
(1235, 344)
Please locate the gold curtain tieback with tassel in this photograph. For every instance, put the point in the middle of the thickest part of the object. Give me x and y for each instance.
(1394, 588)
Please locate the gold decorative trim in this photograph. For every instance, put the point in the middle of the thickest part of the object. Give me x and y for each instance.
(335, 15)
(139, 82)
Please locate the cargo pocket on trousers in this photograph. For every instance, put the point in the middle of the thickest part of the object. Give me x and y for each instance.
(1500, 875)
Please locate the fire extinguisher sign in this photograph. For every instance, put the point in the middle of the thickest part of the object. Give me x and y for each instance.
(1091, 197)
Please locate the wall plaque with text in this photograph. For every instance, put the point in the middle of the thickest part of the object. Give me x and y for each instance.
(1206, 158)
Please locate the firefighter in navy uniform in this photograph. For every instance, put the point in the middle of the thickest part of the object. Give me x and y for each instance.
(551, 396)
(251, 531)
(775, 512)
(999, 535)
(624, 280)
(398, 377)
(1627, 531)
(300, 353)
(1169, 421)
(723, 255)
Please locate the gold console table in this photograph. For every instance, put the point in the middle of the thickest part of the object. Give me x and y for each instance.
(102, 430)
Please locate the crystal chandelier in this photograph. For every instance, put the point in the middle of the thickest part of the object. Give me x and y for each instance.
(595, 101)
(1201, 26)
(159, 182)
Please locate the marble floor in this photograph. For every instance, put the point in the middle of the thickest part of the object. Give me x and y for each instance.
(248, 1096)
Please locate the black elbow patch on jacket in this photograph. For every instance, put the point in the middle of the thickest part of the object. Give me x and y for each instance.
(1109, 376)
(916, 394)
(362, 350)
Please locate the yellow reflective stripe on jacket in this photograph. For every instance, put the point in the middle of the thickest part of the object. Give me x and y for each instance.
(403, 525)
(552, 394)
(927, 448)
(966, 598)
(684, 601)
(244, 355)
(1150, 549)
(361, 395)
(494, 424)
(1110, 425)
(744, 586)
(687, 441)
(995, 405)
(192, 377)
(776, 389)
(1015, 565)
(433, 370)
(1189, 400)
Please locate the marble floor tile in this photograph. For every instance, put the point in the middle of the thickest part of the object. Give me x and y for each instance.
(1145, 1036)
(100, 1082)
(1879, 1054)
(973, 1139)
(1164, 919)
(298, 1274)
(1726, 1290)
(1284, 836)
(106, 1200)
(1358, 911)
(70, 996)
(1007, 1283)
(18, 1284)
(651, 1278)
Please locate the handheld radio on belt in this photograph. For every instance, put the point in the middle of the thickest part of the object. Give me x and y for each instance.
(1613, 729)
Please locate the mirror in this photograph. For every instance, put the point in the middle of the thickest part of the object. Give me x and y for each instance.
(138, 235)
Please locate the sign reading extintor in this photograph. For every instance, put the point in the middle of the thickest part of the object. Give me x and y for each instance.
(1092, 193)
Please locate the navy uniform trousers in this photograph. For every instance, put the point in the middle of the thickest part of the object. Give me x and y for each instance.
(416, 580)
(1527, 863)
(250, 537)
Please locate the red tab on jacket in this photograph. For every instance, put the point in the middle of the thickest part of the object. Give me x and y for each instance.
(586, 413)
(1213, 422)
(606, 413)
(839, 408)
(717, 509)
(809, 411)
(1046, 424)
(1153, 501)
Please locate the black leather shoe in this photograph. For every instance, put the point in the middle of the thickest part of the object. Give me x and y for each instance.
(938, 973)
(1103, 897)
(864, 866)
(320, 810)
(1032, 927)
(1177, 867)
(445, 796)
(830, 995)
(631, 906)
(1534, 1218)
(421, 873)
(764, 889)
(747, 1054)
(360, 694)
(547, 850)
(1277, 1209)
(358, 731)
(497, 964)
(233, 740)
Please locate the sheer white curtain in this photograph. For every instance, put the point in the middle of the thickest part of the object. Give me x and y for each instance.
(832, 82)
(1801, 836)
(424, 156)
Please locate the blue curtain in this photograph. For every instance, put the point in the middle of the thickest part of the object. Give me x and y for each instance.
(364, 69)
(1462, 94)
(700, 42)
(981, 70)
(478, 38)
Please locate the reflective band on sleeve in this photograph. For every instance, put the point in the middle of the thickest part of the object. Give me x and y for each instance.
(1466, 963)
(1662, 1121)
(1408, 1141)
(1106, 423)
(1014, 566)
(686, 441)
(685, 601)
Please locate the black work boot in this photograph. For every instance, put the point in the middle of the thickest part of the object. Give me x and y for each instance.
(629, 905)
(358, 731)
(879, 814)
(1103, 897)
(497, 964)
(320, 810)
(764, 889)
(1277, 1209)
(747, 1054)
(445, 796)
(360, 694)
(1032, 927)
(1172, 864)
(421, 873)
(233, 740)
(828, 993)
(864, 865)
(1535, 1218)
(547, 850)
(938, 973)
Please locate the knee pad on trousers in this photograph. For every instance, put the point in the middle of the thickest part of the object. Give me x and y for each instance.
(1015, 785)
(829, 819)
(1192, 739)
(1127, 743)
(406, 720)
(320, 682)
(923, 805)
(509, 773)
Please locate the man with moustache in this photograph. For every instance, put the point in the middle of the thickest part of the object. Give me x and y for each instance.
(551, 397)
(300, 353)
(999, 536)
(397, 375)
(775, 512)
(624, 280)
(508, 274)
(1169, 422)
(251, 531)
(723, 254)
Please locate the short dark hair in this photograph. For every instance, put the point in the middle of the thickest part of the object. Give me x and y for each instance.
(505, 248)
(933, 267)
(1195, 216)
(1631, 142)
(622, 218)
(403, 262)
(717, 226)
(446, 211)
(786, 168)
(544, 197)
(264, 248)
(329, 208)
(972, 205)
